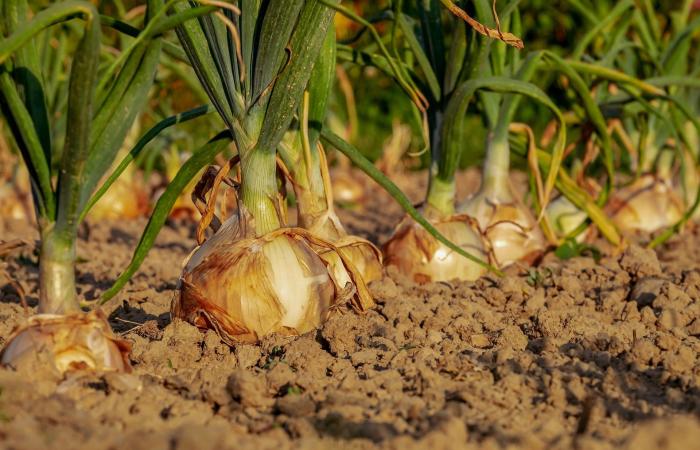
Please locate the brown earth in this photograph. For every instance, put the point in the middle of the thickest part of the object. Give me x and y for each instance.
(571, 354)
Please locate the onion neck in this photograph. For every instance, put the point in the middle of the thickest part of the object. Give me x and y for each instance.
(57, 293)
(664, 167)
(259, 189)
(441, 194)
(310, 192)
(494, 184)
(309, 189)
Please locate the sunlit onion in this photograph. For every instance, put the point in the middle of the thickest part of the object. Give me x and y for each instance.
(364, 255)
(70, 342)
(648, 204)
(125, 199)
(347, 189)
(11, 206)
(248, 287)
(15, 191)
(508, 227)
(422, 258)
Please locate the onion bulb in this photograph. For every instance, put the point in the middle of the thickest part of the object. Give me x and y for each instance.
(508, 227)
(648, 204)
(125, 199)
(70, 342)
(364, 255)
(346, 189)
(421, 257)
(248, 287)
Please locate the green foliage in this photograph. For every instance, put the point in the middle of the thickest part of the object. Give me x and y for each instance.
(571, 248)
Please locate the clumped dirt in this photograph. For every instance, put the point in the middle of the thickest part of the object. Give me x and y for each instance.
(570, 354)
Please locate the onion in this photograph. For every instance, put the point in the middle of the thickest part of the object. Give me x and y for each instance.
(421, 257)
(508, 227)
(648, 204)
(346, 189)
(364, 255)
(125, 199)
(248, 287)
(70, 342)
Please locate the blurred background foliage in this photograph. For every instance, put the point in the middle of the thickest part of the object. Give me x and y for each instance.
(365, 104)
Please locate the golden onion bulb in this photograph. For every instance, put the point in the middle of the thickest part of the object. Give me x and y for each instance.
(70, 342)
(648, 204)
(363, 255)
(421, 257)
(508, 227)
(125, 199)
(346, 188)
(248, 287)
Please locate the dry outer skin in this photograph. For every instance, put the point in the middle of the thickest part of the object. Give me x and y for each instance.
(571, 354)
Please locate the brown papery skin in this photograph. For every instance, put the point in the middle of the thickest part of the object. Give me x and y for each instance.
(232, 292)
(419, 256)
(508, 228)
(364, 255)
(513, 236)
(285, 282)
(70, 342)
(648, 204)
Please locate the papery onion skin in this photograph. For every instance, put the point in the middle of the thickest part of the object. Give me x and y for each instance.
(246, 288)
(364, 255)
(422, 258)
(71, 342)
(509, 229)
(365, 258)
(648, 204)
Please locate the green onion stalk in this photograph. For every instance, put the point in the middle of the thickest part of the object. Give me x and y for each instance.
(650, 202)
(655, 87)
(508, 225)
(255, 274)
(412, 250)
(507, 231)
(100, 109)
(302, 153)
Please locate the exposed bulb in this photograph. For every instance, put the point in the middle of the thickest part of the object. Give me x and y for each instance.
(248, 287)
(421, 257)
(508, 227)
(648, 204)
(70, 342)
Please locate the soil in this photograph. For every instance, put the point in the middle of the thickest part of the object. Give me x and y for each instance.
(569, 354)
